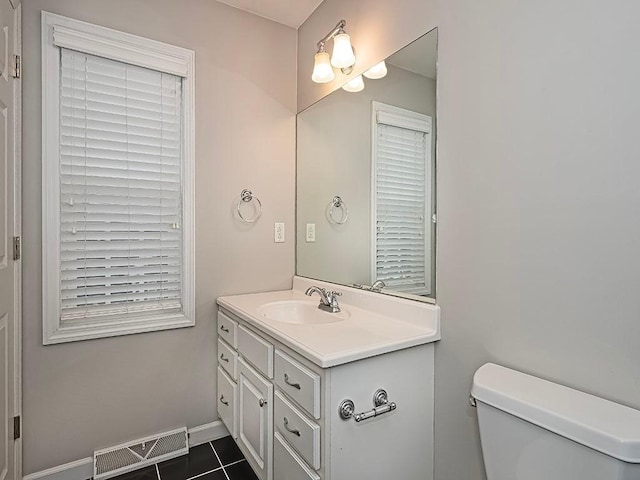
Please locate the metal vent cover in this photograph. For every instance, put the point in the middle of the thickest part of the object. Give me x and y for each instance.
(114, 461)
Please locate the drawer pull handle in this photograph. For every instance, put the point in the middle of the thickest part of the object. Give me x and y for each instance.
(222, 357)
(294, 385)
(291, 430)
(223, 401)
(224, 329)
(262, 402)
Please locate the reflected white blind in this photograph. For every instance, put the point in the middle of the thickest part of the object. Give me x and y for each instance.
(400, 207)
(120, 188)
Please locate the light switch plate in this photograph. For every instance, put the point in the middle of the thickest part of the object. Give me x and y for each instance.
(278, 232)
(311, 233)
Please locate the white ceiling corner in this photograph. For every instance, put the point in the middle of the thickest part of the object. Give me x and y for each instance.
(292, 13)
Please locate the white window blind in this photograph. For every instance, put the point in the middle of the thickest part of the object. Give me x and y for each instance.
(120, 188)
(401, 242)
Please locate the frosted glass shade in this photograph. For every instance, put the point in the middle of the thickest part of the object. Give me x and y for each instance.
(355, 85)
(377, 71)
(322, 70)
(343, 56)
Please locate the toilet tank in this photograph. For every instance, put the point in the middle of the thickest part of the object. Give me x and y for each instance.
(533, 429)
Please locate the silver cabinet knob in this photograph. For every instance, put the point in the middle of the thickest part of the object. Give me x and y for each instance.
(223, 401)
(262, 402)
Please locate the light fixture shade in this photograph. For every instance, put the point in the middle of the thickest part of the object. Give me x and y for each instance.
(343, 56)
(377, 71)
(354, 85)
(322, 70)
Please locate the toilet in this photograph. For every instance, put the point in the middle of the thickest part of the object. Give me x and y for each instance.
(533, 429)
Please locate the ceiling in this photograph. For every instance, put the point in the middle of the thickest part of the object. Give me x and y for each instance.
(288, 12)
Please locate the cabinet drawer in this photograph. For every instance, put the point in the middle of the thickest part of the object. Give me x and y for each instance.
(298, 382)
(228, 359)
(287, 465)
(228, 329)
(256, 350)
(297, 429)
(227, 395)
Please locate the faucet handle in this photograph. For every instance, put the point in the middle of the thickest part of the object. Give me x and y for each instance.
(332, 296)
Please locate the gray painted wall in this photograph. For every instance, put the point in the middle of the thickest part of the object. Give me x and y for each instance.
(538, 259)
(87, 395)
(334, 158)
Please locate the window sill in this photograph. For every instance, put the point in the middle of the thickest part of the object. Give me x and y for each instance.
(74, 333)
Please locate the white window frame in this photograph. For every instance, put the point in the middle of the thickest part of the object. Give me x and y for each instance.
(404, 118)
(62, 32)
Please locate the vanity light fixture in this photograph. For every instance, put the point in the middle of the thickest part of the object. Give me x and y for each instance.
(322, 69)
(377, 71)
(342, 56)
(354, 85)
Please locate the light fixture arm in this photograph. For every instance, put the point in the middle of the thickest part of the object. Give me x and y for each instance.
(337, 29)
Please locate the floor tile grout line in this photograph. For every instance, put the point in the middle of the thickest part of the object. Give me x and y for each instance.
(233, 463)
(216, 454)
(157, 471)
(195, 477)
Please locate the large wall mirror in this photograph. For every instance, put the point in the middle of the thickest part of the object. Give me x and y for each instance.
(366, 180)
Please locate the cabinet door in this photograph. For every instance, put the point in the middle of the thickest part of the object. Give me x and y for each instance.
(227, 401)
(255, 415)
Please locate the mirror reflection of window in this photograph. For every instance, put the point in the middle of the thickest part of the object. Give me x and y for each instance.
(401, 148)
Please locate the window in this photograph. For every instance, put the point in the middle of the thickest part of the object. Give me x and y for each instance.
(118, 244)
(402, 192)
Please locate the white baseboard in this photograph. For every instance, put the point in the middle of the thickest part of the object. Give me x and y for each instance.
(83, 469)
(207, 433)
(78, 470)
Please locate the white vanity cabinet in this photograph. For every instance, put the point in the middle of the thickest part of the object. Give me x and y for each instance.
(283, 409)
(245, 391)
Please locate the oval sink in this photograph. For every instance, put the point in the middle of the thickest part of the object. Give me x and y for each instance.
(299, 311)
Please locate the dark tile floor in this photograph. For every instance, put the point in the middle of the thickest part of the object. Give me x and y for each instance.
(217, 460)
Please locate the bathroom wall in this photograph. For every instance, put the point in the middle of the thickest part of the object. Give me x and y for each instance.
(538, 262)
(87, 395)
(334, 158)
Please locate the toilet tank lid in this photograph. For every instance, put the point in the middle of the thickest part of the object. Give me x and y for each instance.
(597, 423)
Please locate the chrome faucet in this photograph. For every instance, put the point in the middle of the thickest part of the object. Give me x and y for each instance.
(377, 286)
(328, 299)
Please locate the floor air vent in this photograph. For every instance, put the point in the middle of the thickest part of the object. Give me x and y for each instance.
(114, 461)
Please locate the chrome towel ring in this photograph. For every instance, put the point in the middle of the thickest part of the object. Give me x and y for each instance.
(335, 205)
(246, 196)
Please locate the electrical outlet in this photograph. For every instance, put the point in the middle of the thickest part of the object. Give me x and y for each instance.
(278, 232)
(311, 232)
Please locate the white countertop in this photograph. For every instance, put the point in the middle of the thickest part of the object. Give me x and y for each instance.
(376, 323)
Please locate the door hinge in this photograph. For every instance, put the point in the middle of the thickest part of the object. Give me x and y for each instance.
(16, 427)
(16, 248)
(17, 66)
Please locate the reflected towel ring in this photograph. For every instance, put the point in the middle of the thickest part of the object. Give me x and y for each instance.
(337, 203)
(247, 196)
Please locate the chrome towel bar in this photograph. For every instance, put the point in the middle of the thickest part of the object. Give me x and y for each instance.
(381, 405)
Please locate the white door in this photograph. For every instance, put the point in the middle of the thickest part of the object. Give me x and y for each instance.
(9, 268)
(255, 419)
